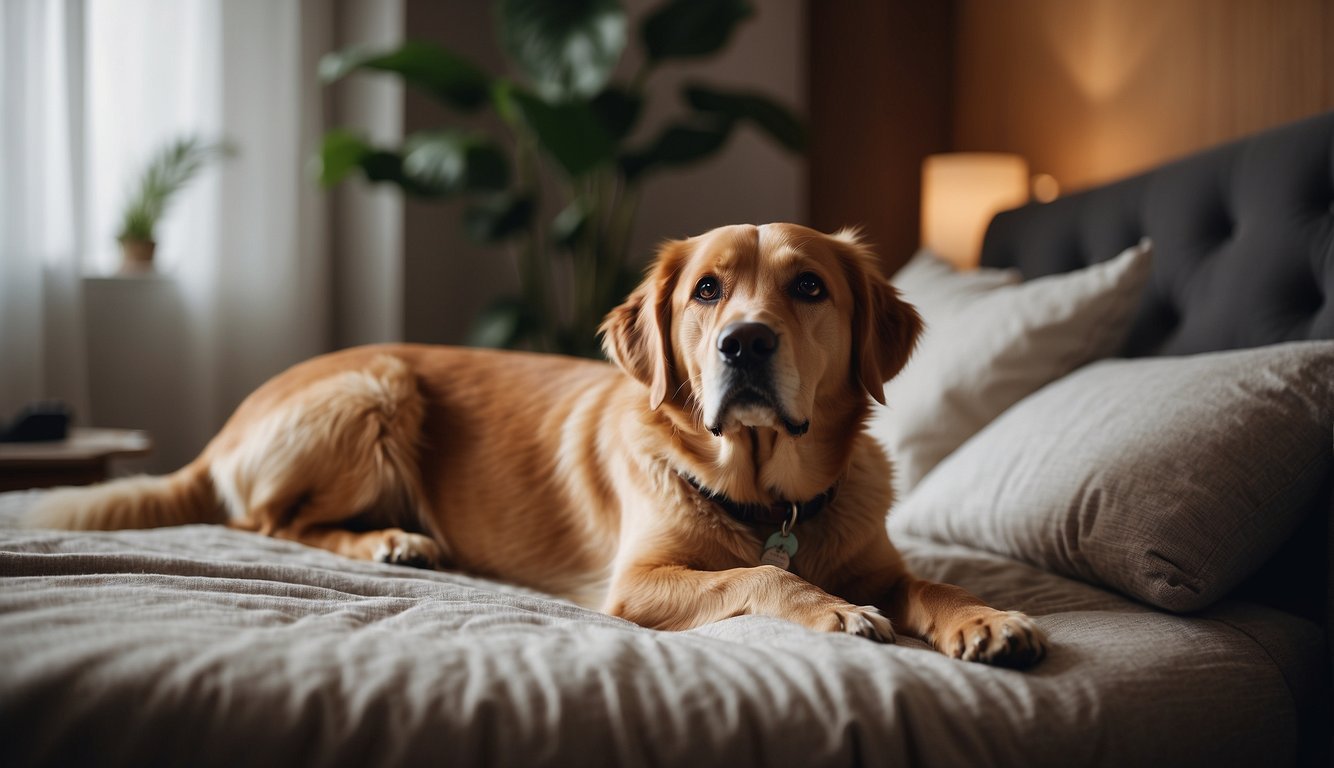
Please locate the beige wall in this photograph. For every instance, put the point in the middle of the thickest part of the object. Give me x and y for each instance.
(1093, 90)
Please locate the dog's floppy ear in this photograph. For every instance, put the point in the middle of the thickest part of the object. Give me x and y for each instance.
(637, 334)
(885, 327)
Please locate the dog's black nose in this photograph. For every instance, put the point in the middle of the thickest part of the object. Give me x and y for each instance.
(747, 344)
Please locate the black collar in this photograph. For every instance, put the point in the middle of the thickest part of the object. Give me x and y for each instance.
(776, 513)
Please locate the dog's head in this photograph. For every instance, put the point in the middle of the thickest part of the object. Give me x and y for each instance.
(758, 326)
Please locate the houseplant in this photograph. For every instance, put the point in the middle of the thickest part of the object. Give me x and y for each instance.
(174, 165)
(568, 133)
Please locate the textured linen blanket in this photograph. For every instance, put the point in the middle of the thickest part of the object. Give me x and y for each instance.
(205, 646)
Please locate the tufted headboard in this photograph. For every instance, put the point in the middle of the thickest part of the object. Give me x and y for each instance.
(1243, 241)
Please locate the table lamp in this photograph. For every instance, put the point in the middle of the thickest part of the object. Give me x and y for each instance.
(961, 191)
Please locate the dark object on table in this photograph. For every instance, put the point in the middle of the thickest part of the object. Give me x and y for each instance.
(42, 421)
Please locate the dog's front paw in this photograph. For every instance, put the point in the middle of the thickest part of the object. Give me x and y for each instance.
(1002, 638)
(411, 549)
(867, 621)
(864, 621)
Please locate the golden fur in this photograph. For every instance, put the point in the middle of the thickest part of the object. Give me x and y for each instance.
(568, 476)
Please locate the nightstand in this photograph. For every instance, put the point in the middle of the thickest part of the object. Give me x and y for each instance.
(80, 459)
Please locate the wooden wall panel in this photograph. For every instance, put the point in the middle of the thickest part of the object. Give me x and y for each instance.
(1093, 90)
(879, 95)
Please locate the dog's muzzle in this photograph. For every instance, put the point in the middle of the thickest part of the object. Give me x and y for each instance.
(747, 348)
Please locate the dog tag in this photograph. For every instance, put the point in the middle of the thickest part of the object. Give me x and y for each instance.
(775, 556)
(784, 541)
(779, 549)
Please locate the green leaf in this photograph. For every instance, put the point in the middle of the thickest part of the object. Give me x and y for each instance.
(766, 114)
(568, 48)
(570, 132)
(503, 324)
(617, 110)
(570, 224)
(382, 165)
(445, 75)
(430, 165)
(678, 144)
(690, 28)
(453, 162)
(137, 224)
(717, 113)
(170, 169)
(499, 217)
(341, 153)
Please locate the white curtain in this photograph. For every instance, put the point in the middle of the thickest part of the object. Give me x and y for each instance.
(271, 273)
(242, 245)
(41, 164)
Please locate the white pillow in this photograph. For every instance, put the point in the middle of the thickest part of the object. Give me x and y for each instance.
(990, 341)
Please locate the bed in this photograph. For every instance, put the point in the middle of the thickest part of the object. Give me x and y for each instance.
(1187, 605)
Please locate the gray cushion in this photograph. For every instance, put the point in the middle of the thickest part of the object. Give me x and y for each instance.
(1170, 479)
(991, 340)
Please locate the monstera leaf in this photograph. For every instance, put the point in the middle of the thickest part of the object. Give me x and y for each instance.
(617, 110)
(571, 132)
(717, 112)
(435, 164)
(445, 75)
(341, 154)
(567, 48)
(678, 144)
(454, 161)
(744, 106)
(496, 218)
(689, 28)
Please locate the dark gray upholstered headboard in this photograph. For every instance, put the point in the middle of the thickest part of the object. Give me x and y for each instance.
(1243, 241)
(1243, 256)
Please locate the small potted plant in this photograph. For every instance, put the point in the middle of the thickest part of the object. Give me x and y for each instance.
(168, 172)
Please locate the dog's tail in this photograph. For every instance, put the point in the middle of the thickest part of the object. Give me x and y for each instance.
(185, 496)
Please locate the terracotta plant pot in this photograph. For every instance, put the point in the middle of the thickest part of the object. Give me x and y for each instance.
(136, 255)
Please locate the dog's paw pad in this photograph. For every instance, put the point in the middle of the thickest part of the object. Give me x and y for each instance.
(410, 549)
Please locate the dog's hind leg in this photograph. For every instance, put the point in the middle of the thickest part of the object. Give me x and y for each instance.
(385, 545)
(337, 468)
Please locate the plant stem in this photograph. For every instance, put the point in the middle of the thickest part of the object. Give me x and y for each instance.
(534, 271)
(584, 321)
(622, 228)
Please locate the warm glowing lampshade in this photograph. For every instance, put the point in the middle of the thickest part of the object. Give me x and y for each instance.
(961, 191)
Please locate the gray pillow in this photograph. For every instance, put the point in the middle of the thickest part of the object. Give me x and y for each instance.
(1169, 479)
(991, 340)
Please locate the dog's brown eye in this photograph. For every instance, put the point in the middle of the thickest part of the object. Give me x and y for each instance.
(708, 289)
(809, 287)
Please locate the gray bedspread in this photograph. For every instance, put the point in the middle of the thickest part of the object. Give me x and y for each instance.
(204, 646)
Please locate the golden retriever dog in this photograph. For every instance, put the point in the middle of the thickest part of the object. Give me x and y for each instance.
(719, 468)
